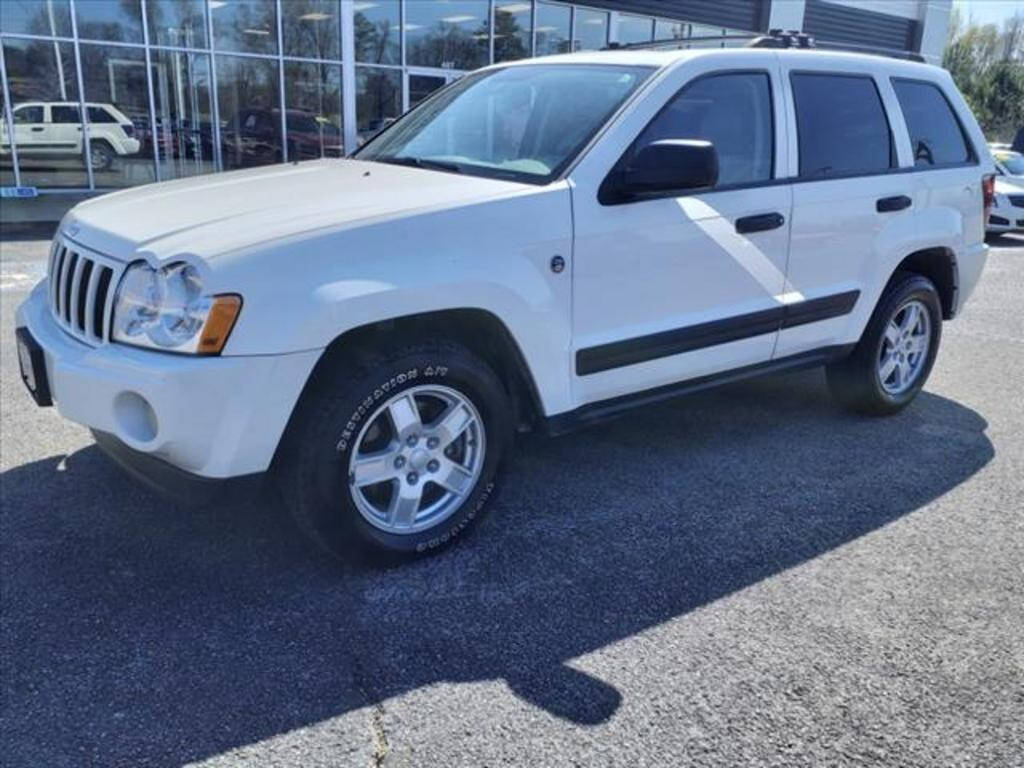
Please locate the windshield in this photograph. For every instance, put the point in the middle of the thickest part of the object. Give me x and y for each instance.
(1012, 162)
(525, 123)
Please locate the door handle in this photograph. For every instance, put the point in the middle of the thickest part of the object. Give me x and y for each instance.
(759, 223)
(890, 204)
(37, 129)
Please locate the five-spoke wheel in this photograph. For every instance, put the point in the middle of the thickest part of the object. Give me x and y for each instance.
(904, 348)
(416, 459)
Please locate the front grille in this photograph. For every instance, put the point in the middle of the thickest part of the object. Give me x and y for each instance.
(82, 291)
(1017, 201)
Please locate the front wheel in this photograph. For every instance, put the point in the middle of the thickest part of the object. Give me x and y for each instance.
(894, 357)
(398, 456)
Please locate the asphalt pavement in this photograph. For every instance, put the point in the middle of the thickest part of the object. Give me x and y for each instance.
(747, 576)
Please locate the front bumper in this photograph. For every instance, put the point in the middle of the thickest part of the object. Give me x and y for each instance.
(213, 417)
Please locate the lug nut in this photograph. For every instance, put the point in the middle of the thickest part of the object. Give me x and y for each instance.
(411, 440)
(433, 443)
(413, 478)
(433, 465)
(399, 462)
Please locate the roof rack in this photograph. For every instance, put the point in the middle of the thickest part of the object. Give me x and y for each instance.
(775, 38)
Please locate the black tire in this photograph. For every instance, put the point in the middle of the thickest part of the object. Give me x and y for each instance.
(102, 155)
(313, 465)
(855, 381)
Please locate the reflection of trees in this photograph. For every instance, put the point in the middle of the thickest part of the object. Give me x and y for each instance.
(51, 18)
(40, 71)
(377, 98)
(511, 41)
(313, 37)
(230, 22)
(449, 45)
(376, 42)
(182, 27)
(127, 28)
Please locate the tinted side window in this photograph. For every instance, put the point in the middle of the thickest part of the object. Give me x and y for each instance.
(841, 125)
(99, 115)
(28, 115)
(709, 109)
(935, 133)
(64, 115)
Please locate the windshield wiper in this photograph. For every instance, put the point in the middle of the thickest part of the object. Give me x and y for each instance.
(422, 162)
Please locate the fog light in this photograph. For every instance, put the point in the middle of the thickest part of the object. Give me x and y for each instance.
(135, 417)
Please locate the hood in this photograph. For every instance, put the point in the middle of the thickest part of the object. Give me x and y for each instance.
(220, 213)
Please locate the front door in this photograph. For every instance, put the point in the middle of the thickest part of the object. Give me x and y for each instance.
(685, 286)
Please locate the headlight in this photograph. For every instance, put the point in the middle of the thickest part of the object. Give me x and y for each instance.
(167, 309)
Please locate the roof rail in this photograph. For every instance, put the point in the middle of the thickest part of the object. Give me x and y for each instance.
(677, 42)
(775, 38)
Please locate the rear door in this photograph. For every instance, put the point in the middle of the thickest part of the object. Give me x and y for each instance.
(64, 132)
(848, 188)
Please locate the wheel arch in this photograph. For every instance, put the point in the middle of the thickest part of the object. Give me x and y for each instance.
(480, 331)
(939, 265)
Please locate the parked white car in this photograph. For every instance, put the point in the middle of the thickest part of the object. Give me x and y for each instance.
(539, 245)
(1007, 213)
(1009, 165)
(53, 129)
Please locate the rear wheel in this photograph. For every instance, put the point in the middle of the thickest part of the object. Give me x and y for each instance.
(894, 357)
(399, 455)
(101, 156)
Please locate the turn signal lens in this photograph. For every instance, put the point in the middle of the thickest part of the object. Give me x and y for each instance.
(219, 322)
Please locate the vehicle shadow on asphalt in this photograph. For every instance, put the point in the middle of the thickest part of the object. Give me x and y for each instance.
(138, 631)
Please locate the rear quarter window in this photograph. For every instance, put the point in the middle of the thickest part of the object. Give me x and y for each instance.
(842, 129)
(935, 133)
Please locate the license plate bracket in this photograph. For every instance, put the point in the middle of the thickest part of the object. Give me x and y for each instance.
(32, 363)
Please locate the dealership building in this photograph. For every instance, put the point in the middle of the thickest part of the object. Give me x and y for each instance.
(104, 94)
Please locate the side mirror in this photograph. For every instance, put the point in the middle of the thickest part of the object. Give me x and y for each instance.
(667, 165)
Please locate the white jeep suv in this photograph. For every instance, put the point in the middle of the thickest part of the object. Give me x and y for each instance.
(541, 244)
(47, 130)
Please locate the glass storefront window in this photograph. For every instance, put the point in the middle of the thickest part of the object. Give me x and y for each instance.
(377, 31)
(591, 30)
(700, 30)
(115, 20)
(312, 95)
(633, 29)
(554, 24)
(454, 34)
(311, 28)
(41, 75)
(36, 17)
(116, 93)
(670, 30)
(250, 113)
(378, 99)
(512, 29)
(181, 23)
(184, 122)
(248, 26)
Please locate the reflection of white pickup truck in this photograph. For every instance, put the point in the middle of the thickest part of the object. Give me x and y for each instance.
(54, 129)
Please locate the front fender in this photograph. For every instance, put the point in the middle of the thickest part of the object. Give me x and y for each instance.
(492, 256)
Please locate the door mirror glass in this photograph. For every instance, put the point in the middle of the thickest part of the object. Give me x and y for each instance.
(667, 165)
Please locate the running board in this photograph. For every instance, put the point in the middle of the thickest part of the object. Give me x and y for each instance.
(594, 413)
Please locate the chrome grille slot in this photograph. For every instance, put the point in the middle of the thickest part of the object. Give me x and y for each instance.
(1017, 201)
(81, 291)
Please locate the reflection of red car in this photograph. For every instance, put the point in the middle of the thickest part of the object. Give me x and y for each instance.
(253, 137)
